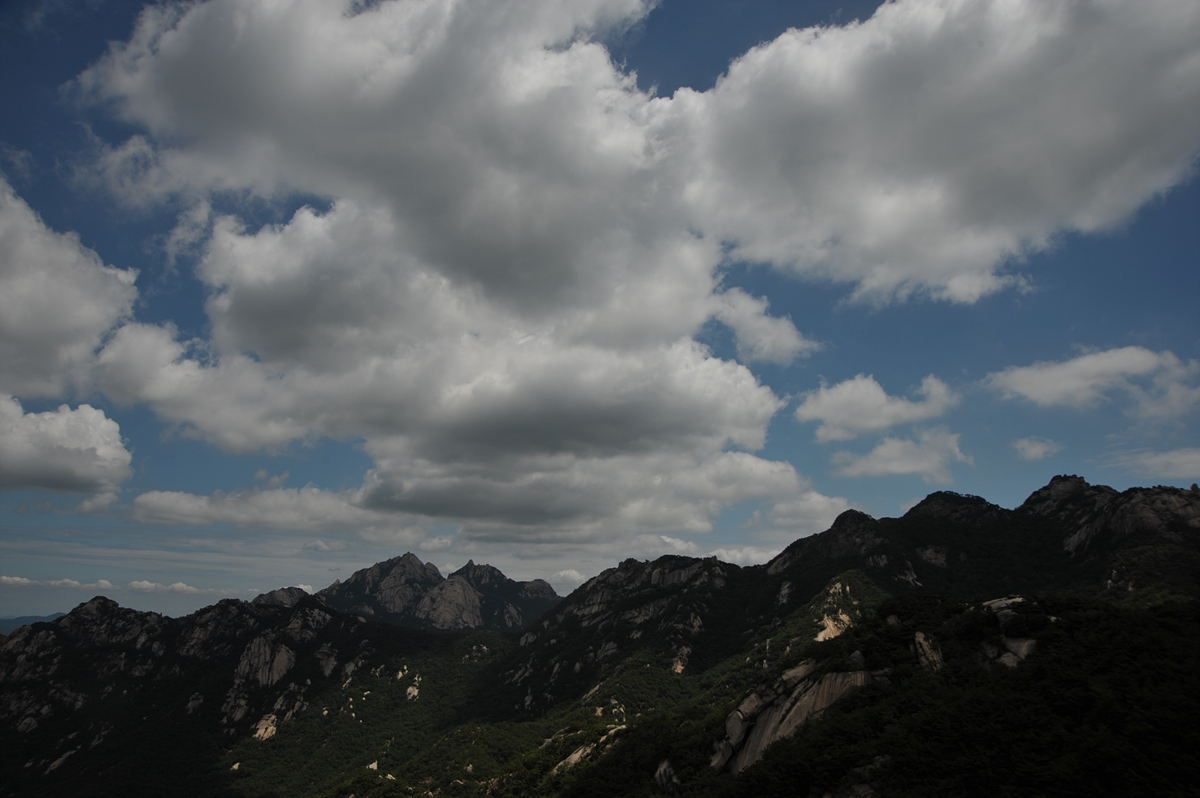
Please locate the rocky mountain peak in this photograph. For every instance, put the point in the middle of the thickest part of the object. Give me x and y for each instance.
(479, 575)
(1094, 513)
(950, 506)
(539, 589)
(409, 592)
(392, 587)
(1065, 495)
(282, 597)
(853, 534)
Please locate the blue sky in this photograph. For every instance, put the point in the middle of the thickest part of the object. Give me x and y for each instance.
(287, 289)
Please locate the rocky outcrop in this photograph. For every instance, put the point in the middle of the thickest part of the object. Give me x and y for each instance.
(1002, 649)
(392, 587)
(854, 535)
(1095, 514)
(265, 661)
(836, 610)
(283, 597)
(929, 654)
(773, 713)
(408, 592)
(452, 605)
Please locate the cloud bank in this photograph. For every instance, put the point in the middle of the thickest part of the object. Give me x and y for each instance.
(517, 248)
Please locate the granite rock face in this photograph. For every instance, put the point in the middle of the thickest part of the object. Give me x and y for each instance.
(406, 591)
(1095, 515)
(773, 713)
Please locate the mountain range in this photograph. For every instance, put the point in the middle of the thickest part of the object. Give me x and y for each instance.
(963, 648)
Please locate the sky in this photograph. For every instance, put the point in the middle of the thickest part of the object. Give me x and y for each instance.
(289, 287)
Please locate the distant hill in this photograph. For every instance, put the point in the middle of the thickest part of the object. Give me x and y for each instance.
(7, 625)
(962, 649)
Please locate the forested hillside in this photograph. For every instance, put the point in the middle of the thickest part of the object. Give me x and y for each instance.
(963, 649)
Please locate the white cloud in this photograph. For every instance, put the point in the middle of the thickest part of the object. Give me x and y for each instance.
(929, 457)
(1159, 384)
(925, 149)
(1035, 448)
(746, 555)
(56, 301)
(860, 405)
(757, 335)
(680, 546)
(918, 151)
(570, 575)
(1174, 464)
(807, 514)
(20, 581)
(64, 450)
(142, 586)
(520, 245)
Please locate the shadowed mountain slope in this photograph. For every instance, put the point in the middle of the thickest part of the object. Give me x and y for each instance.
(406, 591)
(835, 669)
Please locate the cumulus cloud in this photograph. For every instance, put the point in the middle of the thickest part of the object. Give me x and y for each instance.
(142, 586)
(63, 450)
(20, 581)
(570, 575)
(745, 555)
(1174, 464)
(57, 299)
(860, 405)
(520, 246)
(929, 457)
(1035, 448)
(680, 546)
(918, 151)
(757, 335)
(1159, 385)
(807, 514)
(923, 150)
